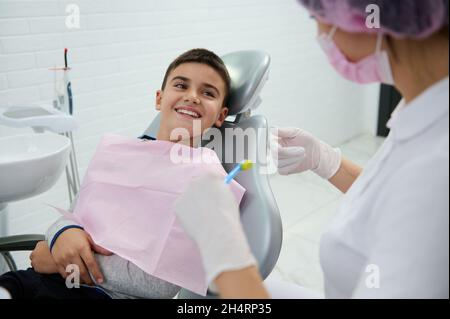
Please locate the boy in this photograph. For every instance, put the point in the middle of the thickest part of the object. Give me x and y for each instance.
(195, 88)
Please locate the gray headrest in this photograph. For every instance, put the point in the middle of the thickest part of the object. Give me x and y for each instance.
(249, 71)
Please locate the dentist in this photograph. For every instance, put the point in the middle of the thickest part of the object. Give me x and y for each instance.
(394, 218)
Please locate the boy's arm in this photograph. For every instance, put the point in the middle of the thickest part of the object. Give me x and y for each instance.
(120, 275)
(41, 258)
(58, 227)
(70, 244)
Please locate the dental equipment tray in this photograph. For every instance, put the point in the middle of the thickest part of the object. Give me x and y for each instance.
(37, 116)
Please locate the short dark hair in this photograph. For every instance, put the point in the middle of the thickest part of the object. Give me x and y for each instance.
(202, 56)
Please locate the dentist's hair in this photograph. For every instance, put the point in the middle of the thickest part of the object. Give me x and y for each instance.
(202, 56)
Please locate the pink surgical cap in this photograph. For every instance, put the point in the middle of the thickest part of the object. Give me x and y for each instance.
(399, 18)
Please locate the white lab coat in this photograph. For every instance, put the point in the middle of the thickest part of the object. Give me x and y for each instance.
(390, 236)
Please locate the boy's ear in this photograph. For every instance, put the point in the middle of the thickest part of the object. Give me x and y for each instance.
(158, 100)
(222, 116)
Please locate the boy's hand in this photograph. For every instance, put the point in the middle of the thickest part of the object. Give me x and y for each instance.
(42, 259)
(74, 246)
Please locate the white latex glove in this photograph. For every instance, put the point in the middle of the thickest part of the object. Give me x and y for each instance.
(209, 213)
(296, 151)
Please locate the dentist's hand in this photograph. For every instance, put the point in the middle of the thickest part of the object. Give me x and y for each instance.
(209, 213)
(75, 246)
(296, 151)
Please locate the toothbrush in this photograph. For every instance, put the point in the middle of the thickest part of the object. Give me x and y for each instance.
(243, 166)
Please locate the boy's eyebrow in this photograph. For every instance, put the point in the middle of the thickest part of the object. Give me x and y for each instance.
(179, 77)
(185, 79)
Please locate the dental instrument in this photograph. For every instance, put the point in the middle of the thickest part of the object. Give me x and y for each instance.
(64, 102)
(73, 179)
(69, 84)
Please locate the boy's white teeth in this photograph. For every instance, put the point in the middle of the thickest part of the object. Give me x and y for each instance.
(193, 114)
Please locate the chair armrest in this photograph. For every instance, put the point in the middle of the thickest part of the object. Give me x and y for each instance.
(20, 242)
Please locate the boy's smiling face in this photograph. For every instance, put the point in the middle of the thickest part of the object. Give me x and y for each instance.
(193, 92)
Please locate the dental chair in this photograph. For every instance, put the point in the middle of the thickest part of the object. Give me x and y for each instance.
(259, 212)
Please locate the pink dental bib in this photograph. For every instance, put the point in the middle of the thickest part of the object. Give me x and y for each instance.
(126, 204)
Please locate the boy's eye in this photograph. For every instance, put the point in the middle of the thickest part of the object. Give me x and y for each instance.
(210, 94)
(180, 85)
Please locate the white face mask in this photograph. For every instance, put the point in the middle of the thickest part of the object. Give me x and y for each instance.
(375, 68)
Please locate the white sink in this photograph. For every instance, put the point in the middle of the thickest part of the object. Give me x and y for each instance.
(31, 164)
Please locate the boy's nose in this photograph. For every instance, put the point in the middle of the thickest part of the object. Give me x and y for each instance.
(192, 97)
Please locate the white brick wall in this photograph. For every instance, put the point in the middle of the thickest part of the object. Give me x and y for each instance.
(122, 49)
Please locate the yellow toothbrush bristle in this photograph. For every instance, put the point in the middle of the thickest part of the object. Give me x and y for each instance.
(246, 165)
